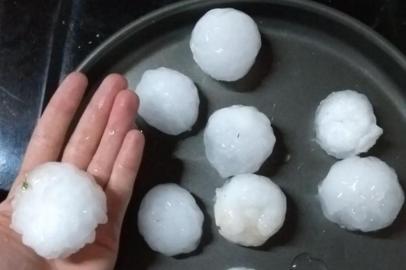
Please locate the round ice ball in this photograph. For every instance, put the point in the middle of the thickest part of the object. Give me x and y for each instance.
(238, 139)
(345, 124)
(170, 220)
(249, 209)
(361, 194)
(225, 43)
(57, 209)
(169, 100)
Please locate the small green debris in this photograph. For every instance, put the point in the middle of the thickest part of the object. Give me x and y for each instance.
(25, 185)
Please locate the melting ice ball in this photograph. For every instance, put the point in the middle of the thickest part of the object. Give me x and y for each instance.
(361, 194)
(225, 43)
(249, 209)
(238, 139)
(170, 220)
(345, 124)
(58, 209)
(169, 100)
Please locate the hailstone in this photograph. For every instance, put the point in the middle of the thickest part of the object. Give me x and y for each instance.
(238, 139)
(249, 209)
(361, 194)
(225, 43)
(169, 100)
(345, 124)
(57, 209)
(170, 220)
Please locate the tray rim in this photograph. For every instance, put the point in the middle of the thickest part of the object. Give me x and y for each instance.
(121, 36)
(320, 9)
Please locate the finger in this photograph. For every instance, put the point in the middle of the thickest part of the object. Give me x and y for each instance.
(49, 134)
(121, 120)
(120, 187)
(86, 137)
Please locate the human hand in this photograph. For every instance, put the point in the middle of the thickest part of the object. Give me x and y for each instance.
(105, 144)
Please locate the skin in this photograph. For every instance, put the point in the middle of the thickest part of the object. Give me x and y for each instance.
(105, 143)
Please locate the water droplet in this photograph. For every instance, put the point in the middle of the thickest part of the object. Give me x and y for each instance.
(305, 261)
(220, 50)
(95, 171)
(112, 132)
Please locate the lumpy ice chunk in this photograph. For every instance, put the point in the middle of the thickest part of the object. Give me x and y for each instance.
(58, 209)
(225, 43)
(361, 194)
(345, 124)
(170, 220)
(238, 139)
(169, 100)
(249, 209)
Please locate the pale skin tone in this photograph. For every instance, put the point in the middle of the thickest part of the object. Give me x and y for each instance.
(105, 143)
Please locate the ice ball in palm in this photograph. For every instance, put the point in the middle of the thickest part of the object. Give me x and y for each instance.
(225, 43)
(361, 194)
(238, 139)
(345, 124)
(249, 209)
(58, 209)
(170, 220)
(169, 100)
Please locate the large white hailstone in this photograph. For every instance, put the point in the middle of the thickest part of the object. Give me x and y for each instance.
(240, 268)
(58, 209)
(238, 139)
(345, 124)
(225, 43)
(169, 100)
(361, 194)
(170, 220)
(249, 209)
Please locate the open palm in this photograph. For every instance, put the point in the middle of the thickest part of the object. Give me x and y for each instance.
(105, 143)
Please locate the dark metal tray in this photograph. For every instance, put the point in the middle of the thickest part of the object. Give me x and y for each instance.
(308, 51)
